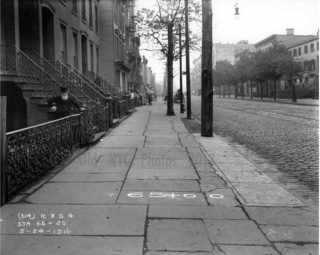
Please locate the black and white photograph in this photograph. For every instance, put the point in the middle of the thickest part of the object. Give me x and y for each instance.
(159, 127)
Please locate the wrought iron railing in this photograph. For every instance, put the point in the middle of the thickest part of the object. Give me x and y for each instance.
(34, 150)
(87, 96)
(8, 59)
(122, 108)
(105, 84)
(44, 80)
(75, 77)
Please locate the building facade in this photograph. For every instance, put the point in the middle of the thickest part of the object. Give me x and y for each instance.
(66, 31)
(119, 44)
(287, 39)
(227, 51)
(92, 41)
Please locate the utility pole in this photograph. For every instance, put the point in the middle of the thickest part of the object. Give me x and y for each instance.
(188, 61)
(181, 89)
(206, 76)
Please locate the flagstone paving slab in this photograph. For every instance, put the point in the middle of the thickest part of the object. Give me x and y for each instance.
(88, 177)
(238, 167)
(246, 177)
(164, 198)
(177, 253)
(161, 162)
(196, 212)
(66, 245)
(266, 194)
(121, 141)
(291, 233)
(147, 153)
(228, 160)
(163, 174)
(177, 235)
(207, 180)
(204, 168)
(162, 185)
(244, 250)
(222, 197)
(86, 220)
(294, 249)
(235, 232)
(162, 142)
(98, 168)
(283, 216)
(77, 193)
(130, 152)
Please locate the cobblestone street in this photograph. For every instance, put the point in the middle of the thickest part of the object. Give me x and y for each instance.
(285, 135)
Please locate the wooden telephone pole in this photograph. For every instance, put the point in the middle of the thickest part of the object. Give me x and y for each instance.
(206, 76)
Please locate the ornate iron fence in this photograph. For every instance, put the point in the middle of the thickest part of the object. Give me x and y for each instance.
(8, 59)
(35, 150)
(122, 108)
(133, 102)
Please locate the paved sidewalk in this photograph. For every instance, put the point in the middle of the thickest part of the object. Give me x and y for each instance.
(151, 188)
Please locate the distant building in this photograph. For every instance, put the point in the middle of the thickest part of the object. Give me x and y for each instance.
(286, 40)
(228, 51)
(307, 53)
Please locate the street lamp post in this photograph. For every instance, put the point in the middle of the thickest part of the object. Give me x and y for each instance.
(187, 61)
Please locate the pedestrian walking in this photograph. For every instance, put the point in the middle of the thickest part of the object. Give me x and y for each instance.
(149, 95)
(61, 105)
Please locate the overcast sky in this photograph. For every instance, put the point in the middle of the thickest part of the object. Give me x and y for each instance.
(258, 20)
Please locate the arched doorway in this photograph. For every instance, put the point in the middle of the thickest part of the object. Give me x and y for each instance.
(48, 33)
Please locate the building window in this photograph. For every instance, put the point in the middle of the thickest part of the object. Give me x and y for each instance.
(306, 49)
(299, 51)
(312, 47)
(74, 6)
(295, 52)
(97, 19)
(290, 52)
(75, 50)
(63, 45)
(90, 14)
(83, 9)
(91, 57)
(98, 60)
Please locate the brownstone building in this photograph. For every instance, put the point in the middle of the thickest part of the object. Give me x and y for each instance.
(50, 43)
(119, 45)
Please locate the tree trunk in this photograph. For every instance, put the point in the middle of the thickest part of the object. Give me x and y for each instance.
(170, 110)
(224, 91)
(242, 87)
(229, 90)
(294, 96)
(251, 89)
(206, 77)
(236, 91)
(261, 91)
(219, 90)
(275, 90)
